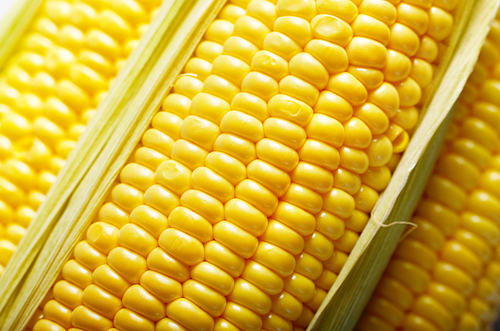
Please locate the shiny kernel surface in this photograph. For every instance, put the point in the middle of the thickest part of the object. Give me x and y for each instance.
(441, 273)
(257, 175)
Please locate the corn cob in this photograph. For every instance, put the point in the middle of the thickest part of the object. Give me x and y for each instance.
(445, 274)
(49, 91)
(238, 179)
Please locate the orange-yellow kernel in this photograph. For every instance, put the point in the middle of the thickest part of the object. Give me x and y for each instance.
(295, 217)
(409, 274)
(88, 256)
(371, 78)
(286, 305)
(101, 301)
(67, 294)
(261, 276)
(331, 56)
(296, 28)
(250, 296)
(272, 178)
(298, 88)
(84, 318)
(149, 219)
(348, 87)
(251, 29)
(285, 132)
(275, 259)
(404, 40)
(381, 10)
(284, 237)
(242, 317)
(219, 31)
(440, 23)
(213, 276)
(224, 258)
(127, 319)
(367, 53)
(112, 214)
(128, 264)
(251, 105)
(103, 236)
(263, 11)
(137, 239)
(187, 249)
(303, 198)
(190, 315)
(161, 261)
(108, 279)
(239, 148)
(141, 301)
(239, 48)
(370, 27)
(257, 195)
(333, 105)
(167, 324)
(308, 266)
(238, 240)
(149, 157)
(312, 177)
(77, 274)
(329, 225)
(164, 288)
(280, 44)
(318, 246)
(161, 199)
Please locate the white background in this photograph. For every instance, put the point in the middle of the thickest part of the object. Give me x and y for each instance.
(4, 7)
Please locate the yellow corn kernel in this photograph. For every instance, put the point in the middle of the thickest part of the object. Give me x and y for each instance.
(68, 294)
(286, 305)
(284, 237)
(109, 280)
(101, 301)
(299, 89)
(103, 236)
(267, 280)
(242, 317)
(188, 314)
(347, 86)
(137, 239)
(271, 177)
(84, 318)
(274, 258)
(161, 261)
(287, 214)
(126, 318)
(127, 264)
(224, 258)
(296, 28)
(251, 297)
(213, 276)
(304, 198)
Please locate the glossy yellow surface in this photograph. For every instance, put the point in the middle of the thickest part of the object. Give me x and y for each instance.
(241, 204)
(442, 275)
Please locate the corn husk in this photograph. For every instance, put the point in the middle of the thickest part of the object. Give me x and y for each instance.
(91, 168)
(351, 291)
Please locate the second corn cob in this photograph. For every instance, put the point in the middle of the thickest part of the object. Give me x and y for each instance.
(49, 91)
(445, 274)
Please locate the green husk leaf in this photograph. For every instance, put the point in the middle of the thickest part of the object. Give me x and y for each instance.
(110, 139)
(351, 291)
(13, 25)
